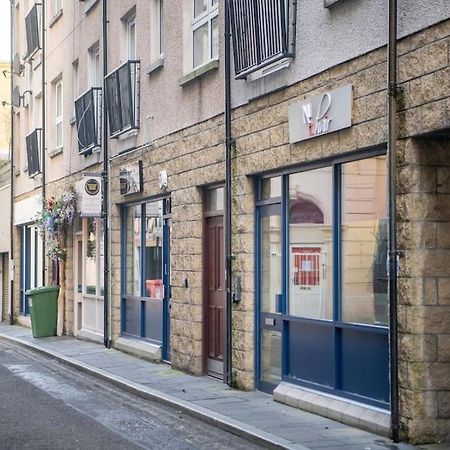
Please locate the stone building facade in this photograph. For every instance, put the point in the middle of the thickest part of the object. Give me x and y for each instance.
(294, 209)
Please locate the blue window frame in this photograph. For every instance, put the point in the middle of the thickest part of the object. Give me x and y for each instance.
(331, 313)
(145, 263)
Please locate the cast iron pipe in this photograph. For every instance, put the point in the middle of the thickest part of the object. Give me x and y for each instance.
(393, 251)
(11, 160)
(105, 180)
(43, 140)
(228, 174)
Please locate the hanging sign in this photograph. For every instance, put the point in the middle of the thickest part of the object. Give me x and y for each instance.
(131, 178)
(321, 114)
(89, 190)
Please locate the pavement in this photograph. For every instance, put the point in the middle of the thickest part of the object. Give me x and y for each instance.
(251, 415)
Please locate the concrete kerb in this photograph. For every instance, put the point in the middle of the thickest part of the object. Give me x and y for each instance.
(228, 424)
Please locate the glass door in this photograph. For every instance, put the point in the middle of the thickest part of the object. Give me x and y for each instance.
(270, 297)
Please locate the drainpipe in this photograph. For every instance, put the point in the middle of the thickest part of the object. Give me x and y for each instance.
(43, 134)
(11, 159)
(105, 179)
(228, 224)
(393, 251)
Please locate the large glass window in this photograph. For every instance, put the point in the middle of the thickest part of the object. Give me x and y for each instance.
(205, 31)
(322, 295)
(364, 241)
(310, 243)
(271, 254)
(145, 254)
(93, 257)
(133, 254)
(153, 250)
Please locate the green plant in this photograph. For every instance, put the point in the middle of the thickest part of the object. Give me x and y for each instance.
(54, 220)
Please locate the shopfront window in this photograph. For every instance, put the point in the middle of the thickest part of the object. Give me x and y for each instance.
(322, 279)
(94, 258)
(133, 250)
(146, 284)
(310, 243)
(364, 242)
(153, 250)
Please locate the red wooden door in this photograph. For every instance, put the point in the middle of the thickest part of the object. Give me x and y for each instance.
(215, 292)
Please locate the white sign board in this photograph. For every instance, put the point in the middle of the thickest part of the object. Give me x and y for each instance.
(89, 193)
(25, 210)
(131, 178)
(321, 114)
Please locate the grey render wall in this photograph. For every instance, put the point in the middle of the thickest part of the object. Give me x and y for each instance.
(350, 28)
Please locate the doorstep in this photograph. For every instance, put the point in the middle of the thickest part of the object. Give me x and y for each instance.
(352, 413)
(89, 336)
(141, 349)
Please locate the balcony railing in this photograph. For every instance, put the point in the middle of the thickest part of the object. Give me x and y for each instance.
(122, 98)
(88, 115)
(34, 151)
(32, 31)
(262, 33)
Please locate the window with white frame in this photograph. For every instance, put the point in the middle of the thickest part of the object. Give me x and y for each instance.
(205, 31)
(57, 6)
(131, 38)
(156, 31)
(95, 76)
(58, 115)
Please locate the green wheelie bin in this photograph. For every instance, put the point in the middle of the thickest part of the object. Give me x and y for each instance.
(43, 304)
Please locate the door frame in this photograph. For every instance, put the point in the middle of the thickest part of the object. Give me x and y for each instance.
(270, 209)
(207, 215)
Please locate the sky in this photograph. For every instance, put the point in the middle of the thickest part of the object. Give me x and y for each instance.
(4, 30)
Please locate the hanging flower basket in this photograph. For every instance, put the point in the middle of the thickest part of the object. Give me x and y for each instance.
(54, 220)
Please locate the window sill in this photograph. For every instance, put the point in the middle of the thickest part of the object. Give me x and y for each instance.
(56, 152)
(199, 72)
(156, 66)
(89, 4)
(55, 18)
(329, 3)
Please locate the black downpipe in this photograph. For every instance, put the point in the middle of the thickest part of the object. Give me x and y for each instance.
(105, 178)
(11, 160)
(43, 141)
(393, 252)
(228, 231)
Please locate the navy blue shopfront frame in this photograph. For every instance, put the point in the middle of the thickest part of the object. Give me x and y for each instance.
(350, 360)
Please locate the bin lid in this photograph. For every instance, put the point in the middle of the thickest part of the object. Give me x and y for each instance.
(42, 289)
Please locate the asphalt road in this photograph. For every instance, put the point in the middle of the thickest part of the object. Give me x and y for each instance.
(46, 405)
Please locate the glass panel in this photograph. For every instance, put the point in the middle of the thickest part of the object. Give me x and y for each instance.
(270, 188)
(153, 320)
(79, 266)
(364, 241)
(310, 243)
(58, 99)
(215, 199)
(271, 356)
(132, 39)
(91, 257)
(39, 281)
(133, 251)
(59, 136)
(271, 246)
(132, 317)
(201, 45)
(200, 6)
(101, 259)
(153, 250)
(215, 37)
(89, 314)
